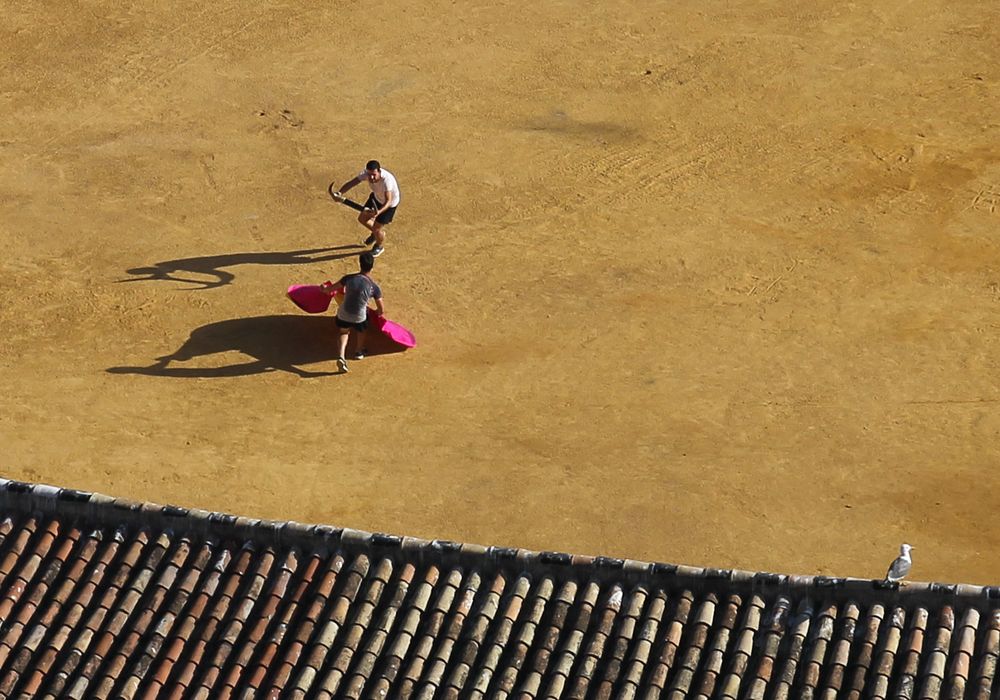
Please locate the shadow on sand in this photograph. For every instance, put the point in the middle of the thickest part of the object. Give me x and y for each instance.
(273, 342)
(211, 266)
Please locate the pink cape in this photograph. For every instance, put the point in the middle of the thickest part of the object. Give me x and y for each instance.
(312, 299)
(394, 331)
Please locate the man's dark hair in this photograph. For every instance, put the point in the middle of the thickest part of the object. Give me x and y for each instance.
(367, 261)
(373, 165)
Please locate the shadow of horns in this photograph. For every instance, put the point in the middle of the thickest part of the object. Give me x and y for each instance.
(213, 274)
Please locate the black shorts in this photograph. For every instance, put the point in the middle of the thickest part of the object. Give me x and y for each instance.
(386, 216)
(363, 326)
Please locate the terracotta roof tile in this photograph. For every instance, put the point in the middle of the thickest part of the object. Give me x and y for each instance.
(235, 650)
(350, 638)
(518, 632)
(407, 627)
(840, 660)
(814, 659)
(15, 546)
(663, 661)
(104, 598)
(14, 626)
(859, 671)
(422, 649)
(990, 650)
(479, 619)
(26, 567)
(207, 624)
(81, 627)
(696, 638)
(335, 618)
(598, 614)
(573, 638)
(938, 656)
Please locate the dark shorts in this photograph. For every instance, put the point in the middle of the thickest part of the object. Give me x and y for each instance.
(363, 326)
(386, 216)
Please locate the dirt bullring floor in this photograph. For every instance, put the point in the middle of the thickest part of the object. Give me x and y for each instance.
(704, 282)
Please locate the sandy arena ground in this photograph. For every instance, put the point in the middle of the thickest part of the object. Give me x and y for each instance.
(706, 282)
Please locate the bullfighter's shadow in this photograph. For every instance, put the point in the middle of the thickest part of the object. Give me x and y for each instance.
(211, 266)
(274, 342)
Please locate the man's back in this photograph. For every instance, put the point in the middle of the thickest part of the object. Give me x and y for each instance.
(359, 289)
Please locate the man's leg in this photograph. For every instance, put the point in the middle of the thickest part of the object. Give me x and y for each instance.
(379, 235)
(361, 344)
(365, 218)
(378, 230)
(341, 362)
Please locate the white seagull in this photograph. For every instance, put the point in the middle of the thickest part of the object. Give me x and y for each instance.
(900, 566)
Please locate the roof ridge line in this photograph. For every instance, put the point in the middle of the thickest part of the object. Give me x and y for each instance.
(28, 497)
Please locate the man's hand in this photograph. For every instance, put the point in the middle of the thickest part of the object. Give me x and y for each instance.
(329, 287)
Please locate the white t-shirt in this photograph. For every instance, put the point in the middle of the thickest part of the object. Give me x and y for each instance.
(386, 187)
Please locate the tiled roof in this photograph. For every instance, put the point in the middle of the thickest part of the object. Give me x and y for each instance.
(105, 598)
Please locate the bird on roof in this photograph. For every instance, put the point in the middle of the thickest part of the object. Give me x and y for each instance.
(900, 566)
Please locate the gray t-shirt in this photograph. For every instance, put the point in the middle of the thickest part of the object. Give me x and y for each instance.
(358, 290)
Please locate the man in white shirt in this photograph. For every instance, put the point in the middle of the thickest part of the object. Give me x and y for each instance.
(381, 204)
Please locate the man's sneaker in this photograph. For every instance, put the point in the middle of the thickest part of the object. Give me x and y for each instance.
(377, 250)
(341, 364)
(359, 355)
(370, 239)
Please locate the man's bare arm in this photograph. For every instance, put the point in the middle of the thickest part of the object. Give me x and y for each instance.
(349, 184)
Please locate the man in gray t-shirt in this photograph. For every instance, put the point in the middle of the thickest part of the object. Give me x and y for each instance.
(358, 289)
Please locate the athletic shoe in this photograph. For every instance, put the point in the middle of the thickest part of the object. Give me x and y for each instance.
(341, 364)
(370, 239)
(377, 250)
(359, 355)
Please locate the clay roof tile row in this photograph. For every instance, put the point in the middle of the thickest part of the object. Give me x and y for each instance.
(105, 598)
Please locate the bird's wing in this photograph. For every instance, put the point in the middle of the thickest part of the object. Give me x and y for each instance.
(899, 568)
